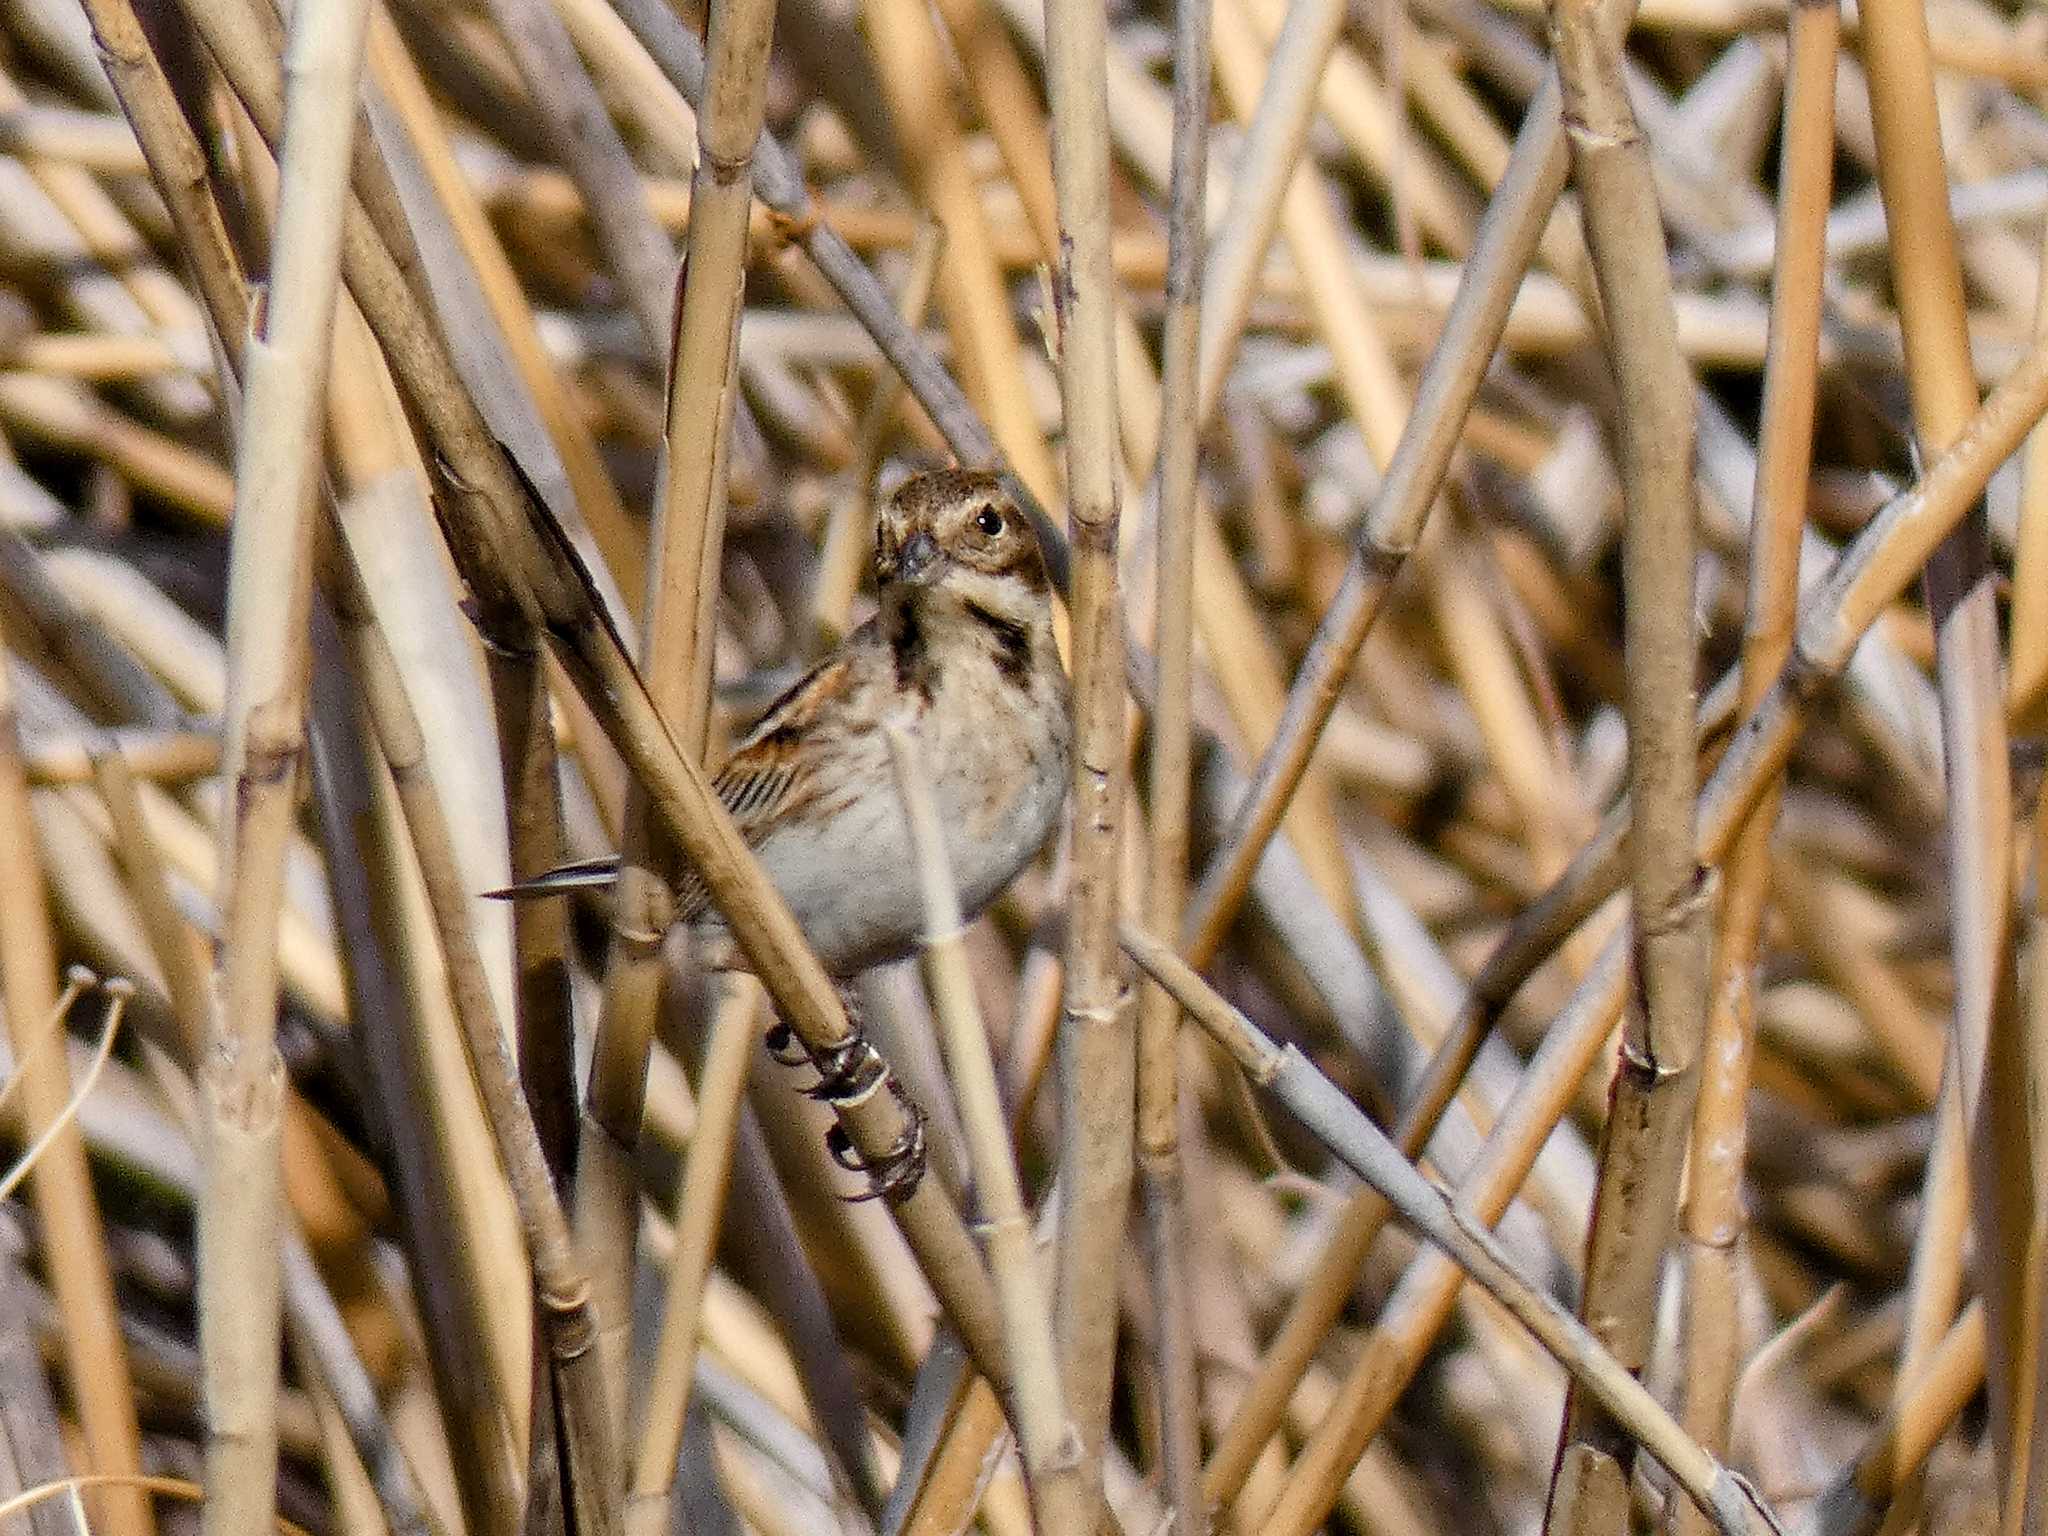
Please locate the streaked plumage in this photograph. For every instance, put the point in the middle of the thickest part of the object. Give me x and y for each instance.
(961, 652)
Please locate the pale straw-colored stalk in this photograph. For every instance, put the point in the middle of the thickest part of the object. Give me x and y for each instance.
(677, 650)
(1713, 1218)
(241, 1078)
(1045, 1436)
(1098, 1047)
(721, 1086)
(1342, 1127)
(1960, 586)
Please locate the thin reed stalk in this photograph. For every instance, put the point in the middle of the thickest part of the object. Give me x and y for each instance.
(102, 1389)
(1098, 1046)
(1713, 1218)
(241, 1078)
(1642, 1151)
(678, 647)
(1961, 597)
(1344, 1129)
(1062, 1501)
(1162, 1176)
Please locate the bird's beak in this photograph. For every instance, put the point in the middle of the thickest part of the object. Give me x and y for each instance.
(918, 557)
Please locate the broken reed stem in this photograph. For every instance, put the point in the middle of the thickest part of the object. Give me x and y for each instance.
(270, 583)
(1097, 1044)
(1713, 1218)
(1045, 1436)
(75, 1252)
(1164, 1195)
(1343, 1128)
(1642, 1152)
(678, 647)
(1960, 586)
(700, 1206)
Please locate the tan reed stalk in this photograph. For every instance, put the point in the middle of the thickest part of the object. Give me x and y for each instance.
(580, 132)
(904, 42)
(1097, 1048)
(74, 1248)
(849, 535)
(1642, 1152)
(118, 994)
(2028, 667)
(161, 757)
(1712, 1221)
(1342, 1127)
(721, 1086)
(1045, 1436)
(1160, 1171)
(677, 649)
(241, 1079)
(1961, 597)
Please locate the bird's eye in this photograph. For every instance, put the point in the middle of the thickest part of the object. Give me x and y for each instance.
(989, 522)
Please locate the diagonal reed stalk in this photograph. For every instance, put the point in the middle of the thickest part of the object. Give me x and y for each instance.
(1342, 1127)
(241, 1078)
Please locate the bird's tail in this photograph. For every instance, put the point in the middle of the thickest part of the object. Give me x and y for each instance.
(587, 874)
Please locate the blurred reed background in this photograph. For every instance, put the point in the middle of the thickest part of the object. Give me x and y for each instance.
(1434, 399)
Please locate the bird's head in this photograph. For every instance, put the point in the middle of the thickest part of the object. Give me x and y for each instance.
(958, 528)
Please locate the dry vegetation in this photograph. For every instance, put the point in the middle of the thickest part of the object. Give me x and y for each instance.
(1537, 1021)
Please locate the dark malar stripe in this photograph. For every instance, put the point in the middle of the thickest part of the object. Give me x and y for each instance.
(1013, 642)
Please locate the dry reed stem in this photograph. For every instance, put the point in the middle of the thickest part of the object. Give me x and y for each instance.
(101, 1388)
(1061, 1500)
(241, 1077)
(679, 644)
(1162, 1175)
(1643, 1143)
(721, 1085)
(1961, 598)
(1713, 1217)
(1097, 1048)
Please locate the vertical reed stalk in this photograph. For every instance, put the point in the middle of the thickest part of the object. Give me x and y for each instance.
(721, 1088)
(1164, 1195)
(1642, 1151)
(679, 645)
(1960, 587)
(1712, 1221)
(1097, 1055)
(270, 580)
(1063, 1502)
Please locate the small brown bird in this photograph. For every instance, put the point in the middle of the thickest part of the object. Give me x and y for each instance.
(961, 654)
